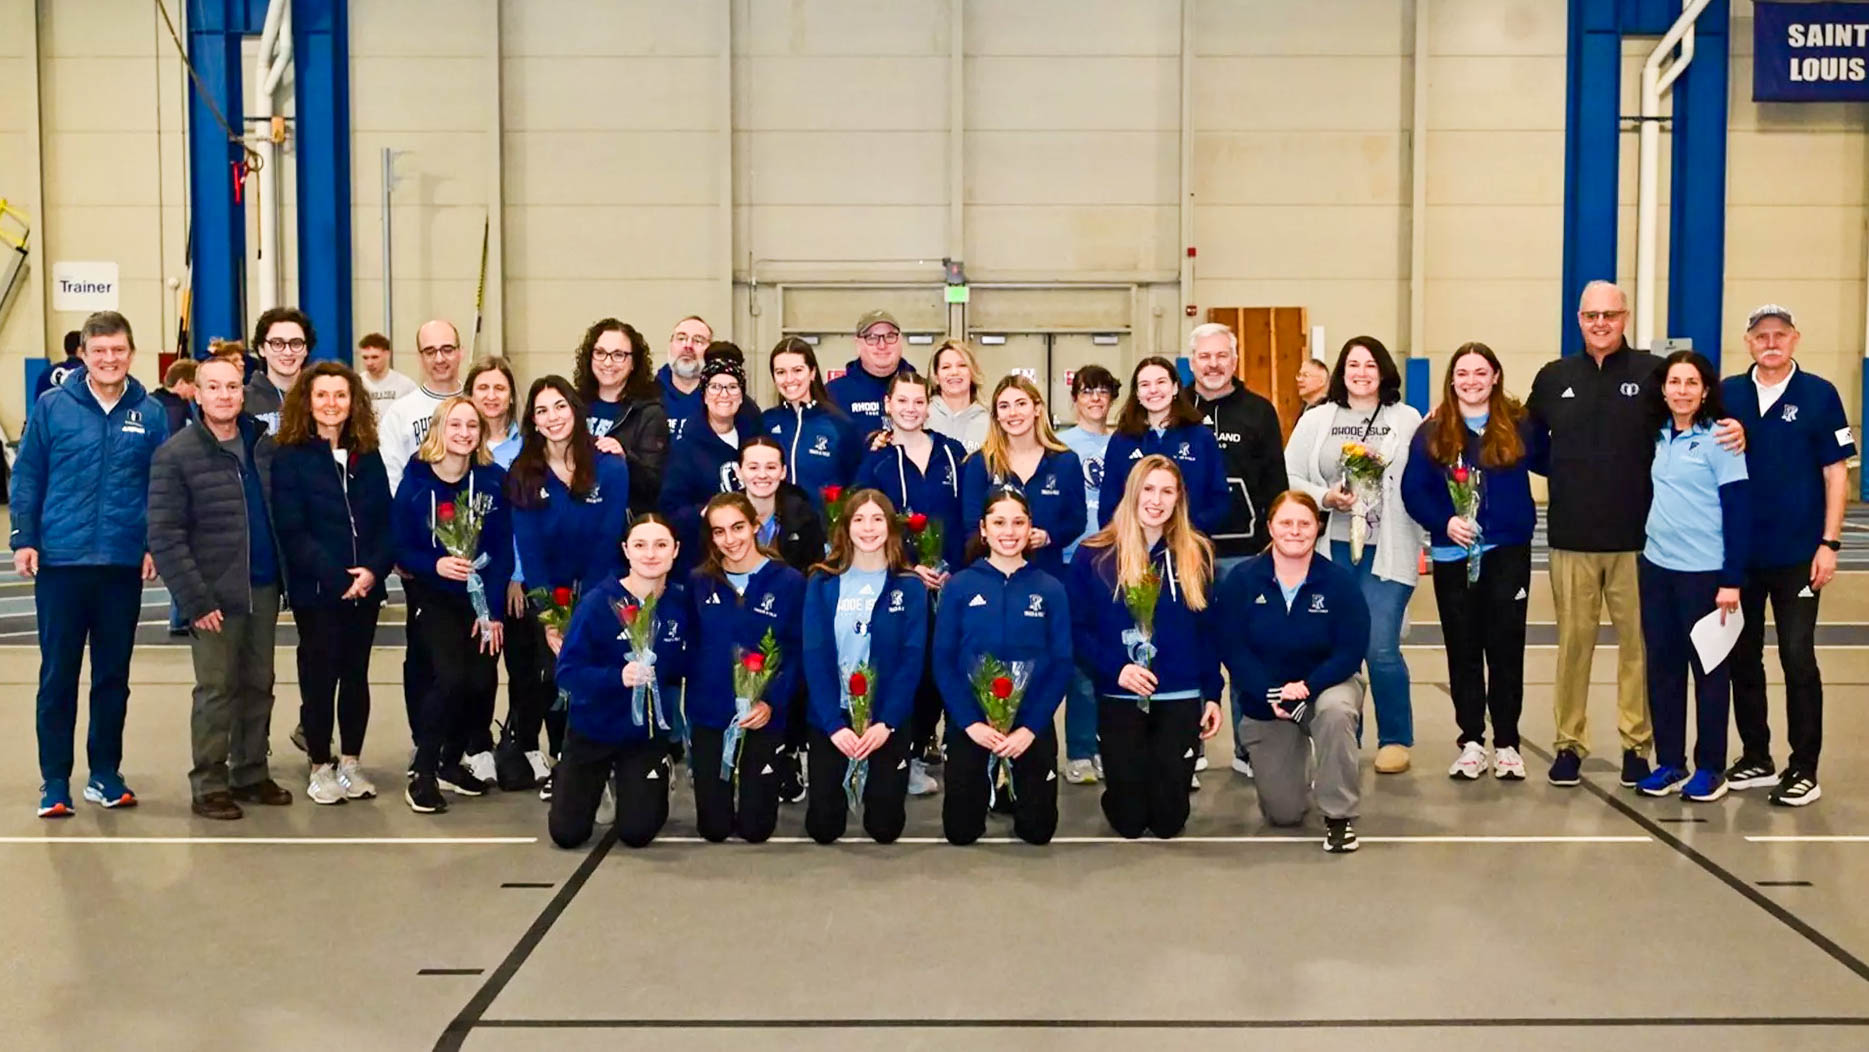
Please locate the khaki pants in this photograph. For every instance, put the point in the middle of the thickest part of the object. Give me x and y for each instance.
(1581, 584)
(233, 710)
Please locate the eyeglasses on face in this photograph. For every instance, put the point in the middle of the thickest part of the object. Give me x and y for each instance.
(277, 344)
(446, 350)
(612, 357)
(723, 389)
(1601, 315)
(881, 339)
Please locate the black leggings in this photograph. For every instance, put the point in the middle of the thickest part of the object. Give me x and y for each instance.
(334, 666)
(531, 690)
(638, 769)
(1148, 763)
(1483, 631)
(716, 812)
(885, 790)
(461, 678)
(969, 792)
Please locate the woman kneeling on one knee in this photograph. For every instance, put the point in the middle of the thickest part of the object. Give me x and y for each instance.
(1158, 687)
(1293, 629)
(611, 738)
(866, 643)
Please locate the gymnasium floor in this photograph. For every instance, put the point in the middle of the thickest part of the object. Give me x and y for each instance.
(1521, 916)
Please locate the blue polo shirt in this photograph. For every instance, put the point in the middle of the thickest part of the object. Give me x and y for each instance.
(1685, 519)
(1787, 448)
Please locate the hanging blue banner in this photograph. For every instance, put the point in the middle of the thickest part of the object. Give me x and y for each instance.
(1810, 52)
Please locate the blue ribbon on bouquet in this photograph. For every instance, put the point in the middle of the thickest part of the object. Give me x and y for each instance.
(477, 595)
(731, 739)
(646, 698)
(1142, 652)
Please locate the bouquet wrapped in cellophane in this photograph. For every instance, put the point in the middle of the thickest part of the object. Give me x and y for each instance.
(752, 672)
(1362, 476)
(456, 525)
(1139, 599)
(638, 621)
(859, 702)
(999, 687)
(1464, 487)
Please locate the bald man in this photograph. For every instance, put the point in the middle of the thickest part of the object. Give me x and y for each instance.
(404, 423)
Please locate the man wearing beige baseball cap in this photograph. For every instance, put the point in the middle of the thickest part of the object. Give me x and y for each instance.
(859, 392)
(1798, 447)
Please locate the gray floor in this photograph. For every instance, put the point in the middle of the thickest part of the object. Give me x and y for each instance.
(1626, 920)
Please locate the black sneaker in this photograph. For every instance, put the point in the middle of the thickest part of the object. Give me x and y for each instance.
(1796, 789)
(1339, 836)
(1634, 768)
(457, 779)
(1567, 769)
(933, 756)
(424, 795)
(791, 780)
(511, 769)
(1752, 774)
(545, 787)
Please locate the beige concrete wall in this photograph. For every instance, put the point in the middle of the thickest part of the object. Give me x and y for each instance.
(653, 158)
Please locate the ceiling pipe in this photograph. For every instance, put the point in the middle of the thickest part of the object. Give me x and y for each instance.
(276, 55)
(1655, 84)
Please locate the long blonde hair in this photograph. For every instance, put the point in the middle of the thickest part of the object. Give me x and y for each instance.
(1192, 555)
(434, 446)
(997, 449)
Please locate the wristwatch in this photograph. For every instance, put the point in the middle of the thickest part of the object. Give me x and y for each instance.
(1835, 546)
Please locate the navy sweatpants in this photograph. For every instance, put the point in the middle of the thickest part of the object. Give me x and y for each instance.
(1672, 600)
(77, 605)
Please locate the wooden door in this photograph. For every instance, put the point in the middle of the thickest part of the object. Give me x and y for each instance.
(1273, 342)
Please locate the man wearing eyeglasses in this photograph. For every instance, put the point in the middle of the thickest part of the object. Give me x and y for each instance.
(681, 377)
(285, 338)
(859, 392)
(402, 426)
(1590, 420)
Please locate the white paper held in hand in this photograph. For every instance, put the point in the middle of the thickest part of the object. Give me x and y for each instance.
(1713, 640)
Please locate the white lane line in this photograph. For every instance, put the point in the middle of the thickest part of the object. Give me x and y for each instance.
(313, 840)
(1853, 839)
(1312, 840)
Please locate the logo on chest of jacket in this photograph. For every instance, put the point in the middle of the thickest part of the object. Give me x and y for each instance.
(713, 599)
(977, 600)
(1317, 605)
(1135, 454)
(896, 602)
(1568, 393)
(1788, 413)
(1184, 453)
(1050, 488)
(1630, 389)
(867, 408)
(822, 447)
(596, 495)
(765, 604)
(1035, 606)
(133, 422)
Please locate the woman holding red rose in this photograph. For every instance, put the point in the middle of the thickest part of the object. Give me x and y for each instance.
(1479, 440)
(865, 634)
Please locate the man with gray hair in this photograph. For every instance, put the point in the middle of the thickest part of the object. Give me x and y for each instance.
(80, 527)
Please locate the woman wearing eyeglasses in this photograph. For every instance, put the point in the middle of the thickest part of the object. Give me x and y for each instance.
(623, 403)
(701, 462)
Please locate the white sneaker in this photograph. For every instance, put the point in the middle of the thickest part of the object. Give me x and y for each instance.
(324, 787)
(921, 783)
(607, 805)
(1098, 760)
(1508, 765)
(540, 767)
(1079, 772)
(1200, 761)
(1194, 783)
(1242, 765)
(351, 777)
(1471, 763)
(480, 765)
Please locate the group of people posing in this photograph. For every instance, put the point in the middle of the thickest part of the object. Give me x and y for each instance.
(883, 577)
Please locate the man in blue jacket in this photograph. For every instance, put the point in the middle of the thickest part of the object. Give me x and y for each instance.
(80, 523)
(681, 377)
(56, 375)
(859, 392)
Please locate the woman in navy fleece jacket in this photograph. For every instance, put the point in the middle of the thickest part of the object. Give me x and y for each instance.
(1022, 451)
(1156, 419)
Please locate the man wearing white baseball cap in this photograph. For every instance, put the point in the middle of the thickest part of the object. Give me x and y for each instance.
(1798, 448)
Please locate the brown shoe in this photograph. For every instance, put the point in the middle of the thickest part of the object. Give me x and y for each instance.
(268, 792)
(1392, 759)
(218, 806)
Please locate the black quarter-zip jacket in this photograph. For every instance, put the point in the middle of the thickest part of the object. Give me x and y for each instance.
(1600, 448)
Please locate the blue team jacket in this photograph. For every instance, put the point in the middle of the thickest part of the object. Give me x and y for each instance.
(1187, 645)
(1019, 617)
(821, 447)
(700, 465)
(678, 406)
(934, 493)
(898, 631)
(860, 396)
(417, 551)
(1319, 641)
(1507, 514)
(81, 481)
(723, 619)
(1055, 491)
(567, 540)
(590, 664)
(1194, 450)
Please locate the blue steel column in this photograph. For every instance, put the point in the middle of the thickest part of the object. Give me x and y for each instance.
(321, 54)
(219, 226)
(1697, 225)
(1592, 139)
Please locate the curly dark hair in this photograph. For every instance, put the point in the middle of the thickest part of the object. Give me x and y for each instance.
(295, 420)
(639, 386)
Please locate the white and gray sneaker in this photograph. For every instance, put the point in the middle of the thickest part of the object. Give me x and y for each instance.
(324, 787)
(1242, 765)
(480, 765)
(1200, 760)
(1080, 772)
(607, 805)
(1508, 765)
(1471, 763)
(356, 786)
(921, 783)
(540, 766)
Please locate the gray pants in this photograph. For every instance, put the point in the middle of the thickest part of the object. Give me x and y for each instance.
(233, 711)
(1281, 757)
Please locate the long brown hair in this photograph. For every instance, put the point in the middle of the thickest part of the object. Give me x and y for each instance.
(1500, 444)
(794, 345)
(1134, 419)
(844, 550)
(526, 477)
(295, 422)
(997, 449)
(712, 562)
(977, 547)
(639, 385)
(1192, 553)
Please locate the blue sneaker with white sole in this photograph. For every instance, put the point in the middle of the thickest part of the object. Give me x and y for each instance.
(107, 790)
(55, 798)
(1705, 787)
(1665, 781)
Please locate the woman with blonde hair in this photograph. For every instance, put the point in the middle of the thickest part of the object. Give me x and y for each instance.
(1158, 684)
(955, 410)
(1023, 452)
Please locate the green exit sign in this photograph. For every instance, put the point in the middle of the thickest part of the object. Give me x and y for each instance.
(958, 293)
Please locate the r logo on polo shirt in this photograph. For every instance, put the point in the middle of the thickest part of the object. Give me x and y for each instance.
(1788, 413)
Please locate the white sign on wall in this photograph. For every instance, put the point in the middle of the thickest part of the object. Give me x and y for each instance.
(84, 287)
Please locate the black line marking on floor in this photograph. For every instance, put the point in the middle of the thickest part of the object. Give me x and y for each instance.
(1160, 1024)
(1702, 820)
(470, 1015)
(450, 971)
(527, 884)
(1783, 915)
(1783, 883)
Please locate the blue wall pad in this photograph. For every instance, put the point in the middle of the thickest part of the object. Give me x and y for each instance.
(321, 53)
(1417, 383)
